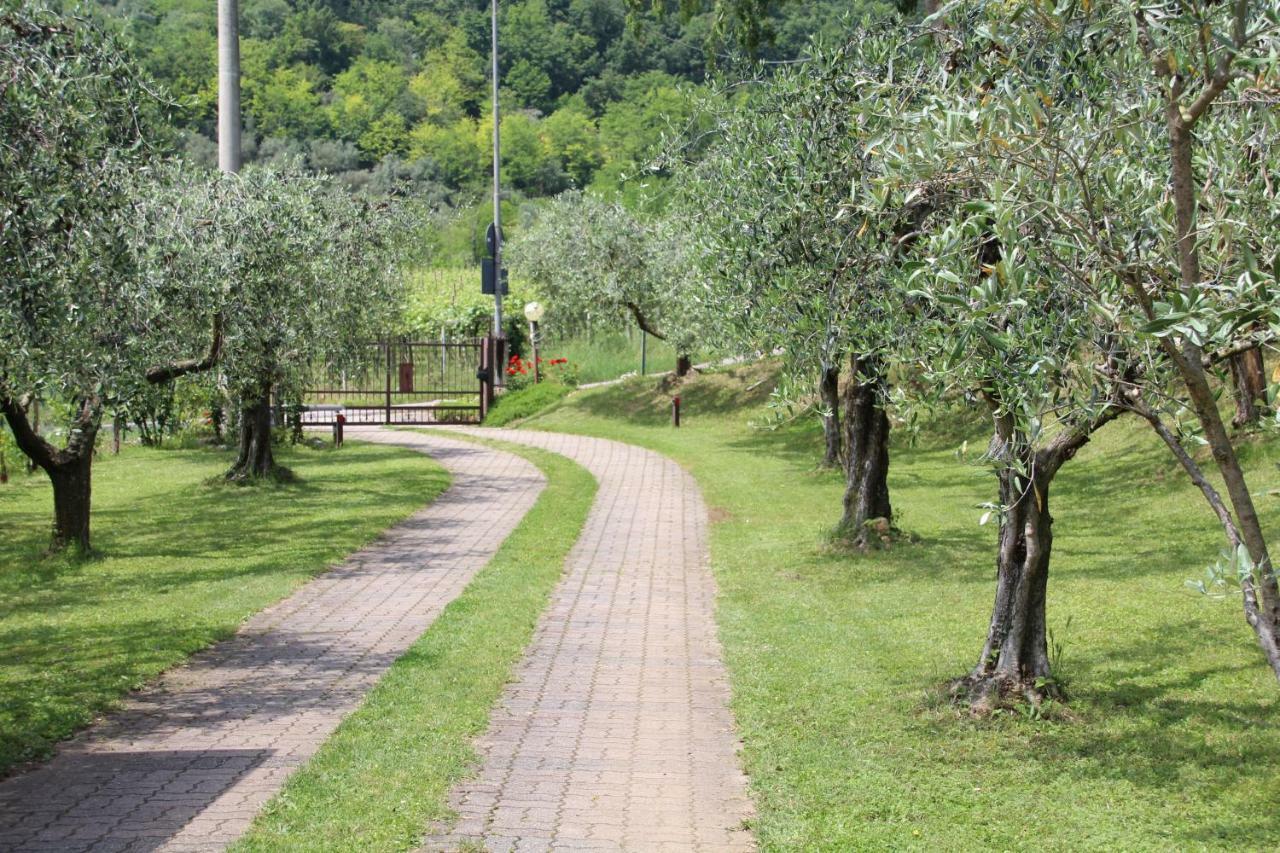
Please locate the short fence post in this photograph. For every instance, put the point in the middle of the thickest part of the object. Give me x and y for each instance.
(675, 411)
(389, 362)
(488, 348)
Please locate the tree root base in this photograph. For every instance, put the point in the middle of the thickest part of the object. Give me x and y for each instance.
(276, 474)
(987, 695)
(878, 534)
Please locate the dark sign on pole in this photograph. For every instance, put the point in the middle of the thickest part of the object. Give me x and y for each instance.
(486, 278)
(491, 240)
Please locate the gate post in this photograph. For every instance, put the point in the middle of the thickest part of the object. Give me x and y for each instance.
(492, 360)
(389, 358)
(485, 375)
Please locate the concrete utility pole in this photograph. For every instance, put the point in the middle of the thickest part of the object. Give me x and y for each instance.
(229, 85)
(497, 194)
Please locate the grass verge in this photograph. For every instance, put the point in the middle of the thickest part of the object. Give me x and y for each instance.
(180, 564)
(386, 772)
(516, 405)
(1173, 742)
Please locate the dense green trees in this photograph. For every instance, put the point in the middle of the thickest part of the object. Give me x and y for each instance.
(405, 83)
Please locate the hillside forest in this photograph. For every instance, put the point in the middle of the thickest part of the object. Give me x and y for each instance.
(388, 94)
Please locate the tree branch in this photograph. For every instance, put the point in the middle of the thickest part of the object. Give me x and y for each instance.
(166, 372)
(642, 322)
(1245, 344)
(29, 441)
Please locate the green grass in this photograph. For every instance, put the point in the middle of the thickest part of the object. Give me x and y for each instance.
(514, 405)
(610, 355)
(385, 774)
(180, 564)
(836, 659)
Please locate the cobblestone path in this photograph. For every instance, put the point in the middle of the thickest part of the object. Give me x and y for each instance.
(188, 762)
(616, 732)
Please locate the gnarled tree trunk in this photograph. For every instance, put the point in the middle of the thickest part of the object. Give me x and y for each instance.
(868, 514)
(255, 458)
(829, 393)
(1250, 379)
(1015, 658)
(72, 495)
(69, 469)
(684, 364)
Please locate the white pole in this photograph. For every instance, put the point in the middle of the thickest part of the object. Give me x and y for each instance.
(229, 85)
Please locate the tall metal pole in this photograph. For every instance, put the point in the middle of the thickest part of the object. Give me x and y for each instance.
(497, 192)
(229, 85)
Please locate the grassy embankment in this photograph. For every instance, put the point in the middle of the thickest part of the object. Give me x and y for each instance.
(385, 775)
(180, 564)
(1173, 739)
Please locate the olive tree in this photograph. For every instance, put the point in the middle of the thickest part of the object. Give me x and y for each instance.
(79, 323)
(310, 277)
(791, 268)
(1101, 188)
(600, 264)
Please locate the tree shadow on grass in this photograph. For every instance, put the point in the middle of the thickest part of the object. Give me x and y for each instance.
(177, 568)
(1159, 722)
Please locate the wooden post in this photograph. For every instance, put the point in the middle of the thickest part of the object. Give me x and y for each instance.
(533, 342)
(390, 356)
(488, 367)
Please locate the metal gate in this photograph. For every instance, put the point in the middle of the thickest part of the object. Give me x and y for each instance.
(403, 382)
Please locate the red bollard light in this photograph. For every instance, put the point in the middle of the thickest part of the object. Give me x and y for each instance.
(675, 411)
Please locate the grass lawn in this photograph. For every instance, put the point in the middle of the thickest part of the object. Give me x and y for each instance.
(836, 660)
(180, 564)
(385, 774)
(610, 355)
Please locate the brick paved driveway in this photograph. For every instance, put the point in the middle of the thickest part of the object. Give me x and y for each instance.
(188, 763)
(616, 733)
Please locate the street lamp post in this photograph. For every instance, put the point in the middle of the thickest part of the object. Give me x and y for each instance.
(533, 313)
(229, 85)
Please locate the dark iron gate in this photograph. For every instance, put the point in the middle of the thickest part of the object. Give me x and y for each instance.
(404, 382)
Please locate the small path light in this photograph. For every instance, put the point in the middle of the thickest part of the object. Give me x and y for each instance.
(533, 313)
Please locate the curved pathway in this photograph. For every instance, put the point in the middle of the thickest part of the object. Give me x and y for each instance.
(616, 733)
(189, 761)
